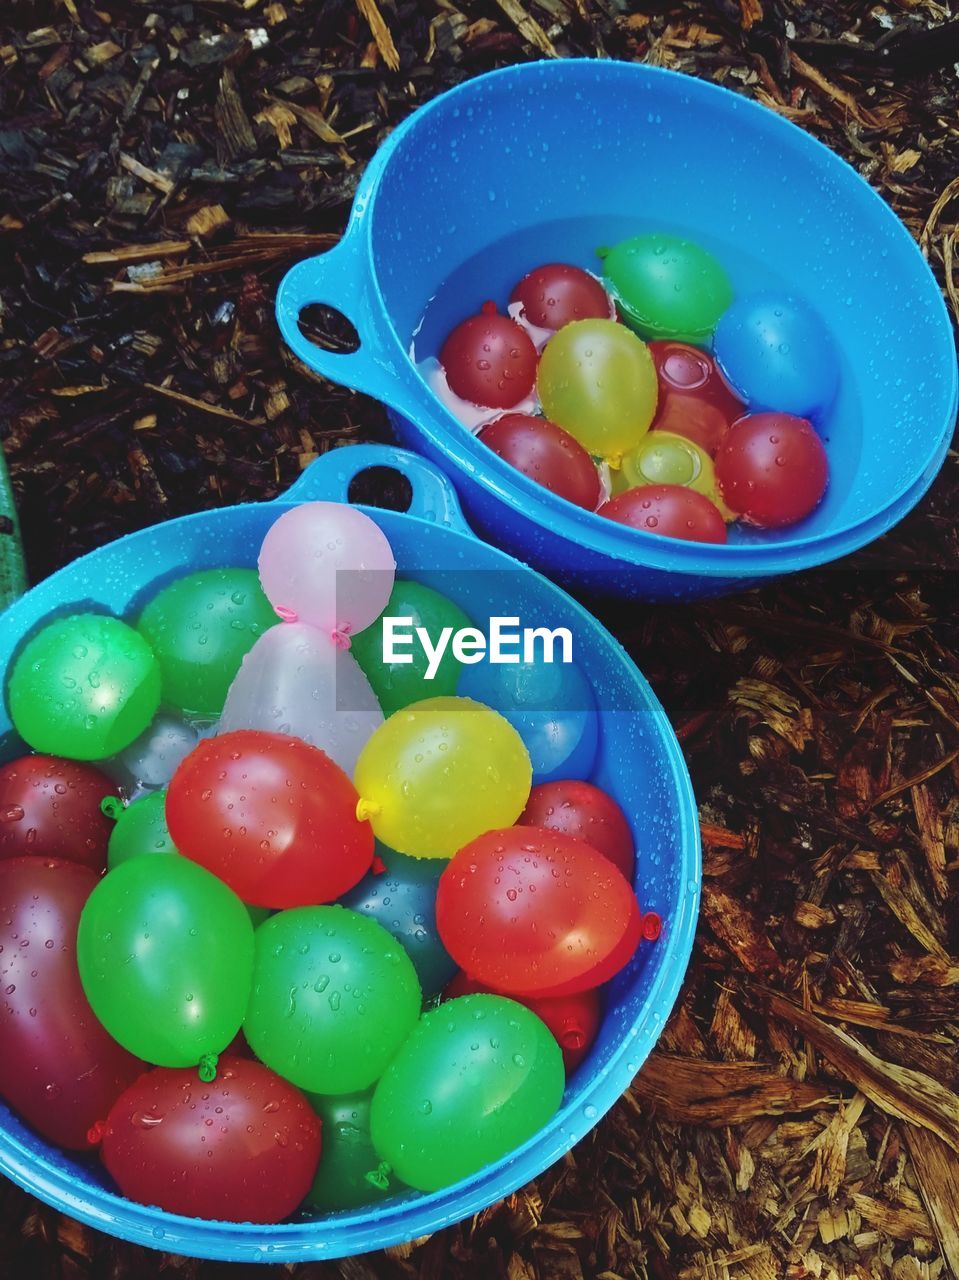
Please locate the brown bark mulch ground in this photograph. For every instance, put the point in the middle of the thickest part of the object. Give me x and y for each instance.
(162, 165)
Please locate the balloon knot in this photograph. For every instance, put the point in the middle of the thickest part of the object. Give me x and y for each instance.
(602, 251)
(285, 614)
(572, 1036)
(652, 926)
(377, 866)
(380, 1176)
(95, 1133)
(614, 461)
(366, 809)
(488, 308)
(207, 1067)
(341, 636)
(112, 807)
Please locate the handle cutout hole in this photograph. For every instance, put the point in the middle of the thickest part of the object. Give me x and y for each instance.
(381, 487)
(329, 329)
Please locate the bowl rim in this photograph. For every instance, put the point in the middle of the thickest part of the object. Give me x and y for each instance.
(534, 503)
(407, 1217)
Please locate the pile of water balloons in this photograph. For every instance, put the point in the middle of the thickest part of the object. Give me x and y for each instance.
(217, 980)
(653, 396)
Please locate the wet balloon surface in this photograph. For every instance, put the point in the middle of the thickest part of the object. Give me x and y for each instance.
(727, 335)
(249, 958)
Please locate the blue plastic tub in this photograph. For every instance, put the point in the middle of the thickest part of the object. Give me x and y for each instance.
(521, 148)
(640, 763)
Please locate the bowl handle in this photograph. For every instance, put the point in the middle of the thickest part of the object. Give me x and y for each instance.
(340, 279)
(329, 478)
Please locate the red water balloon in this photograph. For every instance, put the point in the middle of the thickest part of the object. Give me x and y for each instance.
(243, 1148)
(50, 808)
(573, 1020)
(490, 360)
(772, 469)
(695, 401)
(536, 913)
(557, 293)
(58, 1067)
(670, 510)
(272, 816)
(581, 810)
(547, 454)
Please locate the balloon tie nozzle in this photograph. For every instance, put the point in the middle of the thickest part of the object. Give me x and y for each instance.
(341, 637)
(286, 614)
(366, 809)
(380, 1176)
(652, 926)
(603, 251)
(572, 1036)
(488, 308)
(377, 866)
(207, 1067)
(95, 1132)
(614, 461)
(112, 807)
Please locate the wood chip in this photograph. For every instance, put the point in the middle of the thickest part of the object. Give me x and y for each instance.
(900, 1091)
(208, 220)
(692, 1091)
(528, 27)
(380, 32)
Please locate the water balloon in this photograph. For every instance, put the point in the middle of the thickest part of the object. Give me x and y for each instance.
(241, 1148)
(547, 454)
(270, 815)
(557, 917)
(778, 355)
(165, 952)
(670, 511)
(489, 360)
(772, 469)
(557, 293)
(334, 996)
(667, 287)
(597, 381)
(50, 808)
(84, 687)
(58, 1068)
(439, 773)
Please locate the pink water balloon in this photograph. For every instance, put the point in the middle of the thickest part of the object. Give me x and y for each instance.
(328, 565)
(295, 682)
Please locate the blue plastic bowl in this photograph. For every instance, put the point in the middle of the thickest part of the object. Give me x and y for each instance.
(639, 762)
(518, 149)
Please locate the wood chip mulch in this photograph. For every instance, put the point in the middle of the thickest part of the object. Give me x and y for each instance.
(162, 165)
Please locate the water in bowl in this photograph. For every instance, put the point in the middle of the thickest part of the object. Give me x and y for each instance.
(492, 273)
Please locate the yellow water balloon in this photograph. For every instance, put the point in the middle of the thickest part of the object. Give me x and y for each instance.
(665, 458)
(598, 381)
(439, 773)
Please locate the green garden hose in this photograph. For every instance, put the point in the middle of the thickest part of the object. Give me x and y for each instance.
(13, 574)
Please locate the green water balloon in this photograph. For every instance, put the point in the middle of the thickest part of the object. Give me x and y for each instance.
(397, 684)
(349, 1175)
(477, 1077)
(334, 996)
(200, 628)
(83, 687)
(165, 952)
(667, 287)
(597, 380)
(140, 828)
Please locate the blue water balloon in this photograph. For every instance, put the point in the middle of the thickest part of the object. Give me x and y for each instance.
(549, 704)
(777, 354)
(402, 898)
